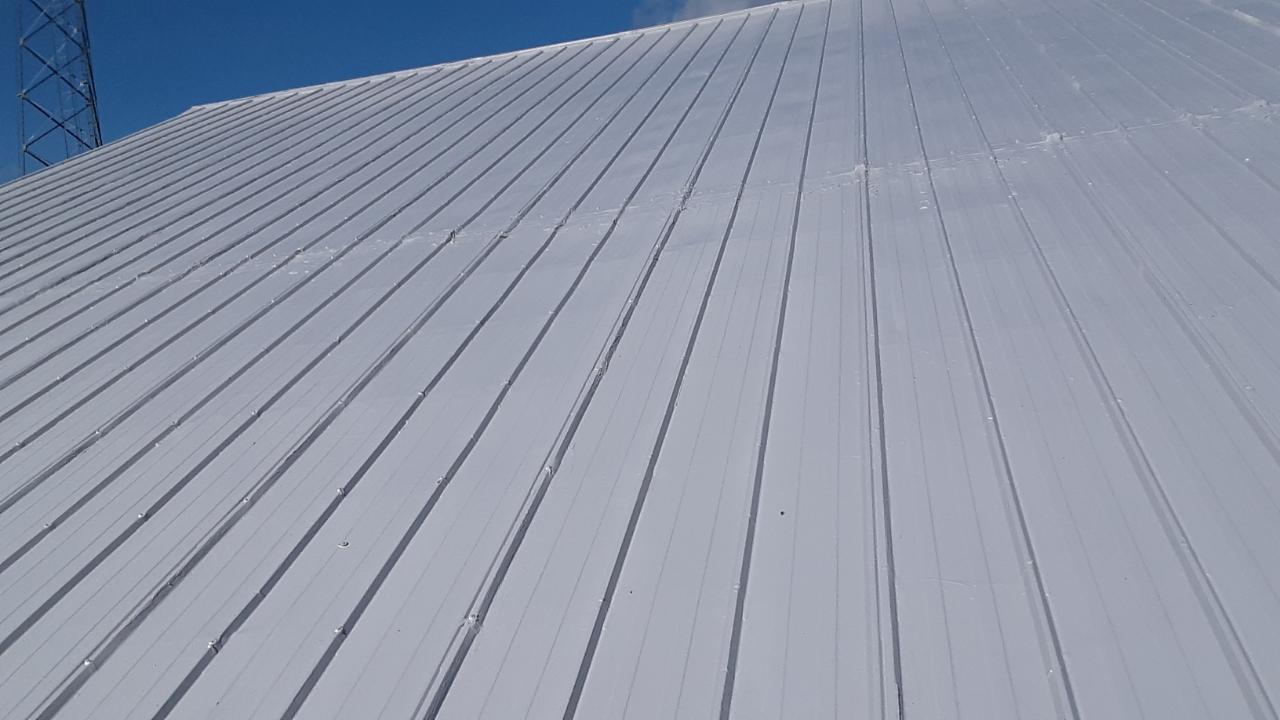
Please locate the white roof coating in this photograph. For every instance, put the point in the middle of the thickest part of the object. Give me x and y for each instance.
(892, 359)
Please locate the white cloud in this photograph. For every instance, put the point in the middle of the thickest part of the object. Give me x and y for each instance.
(652, 12)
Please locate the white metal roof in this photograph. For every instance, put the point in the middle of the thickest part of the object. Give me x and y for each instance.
(828, 359)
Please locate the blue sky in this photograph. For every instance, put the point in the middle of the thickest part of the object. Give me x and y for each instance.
(155, 58)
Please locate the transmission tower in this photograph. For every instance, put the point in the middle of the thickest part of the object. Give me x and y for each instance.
(57, 103)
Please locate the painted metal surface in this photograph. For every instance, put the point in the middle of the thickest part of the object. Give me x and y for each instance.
(828, 359)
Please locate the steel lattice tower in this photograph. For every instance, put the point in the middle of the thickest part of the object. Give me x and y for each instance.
(57, 102)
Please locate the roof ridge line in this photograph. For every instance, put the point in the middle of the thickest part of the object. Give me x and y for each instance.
(379, 77)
